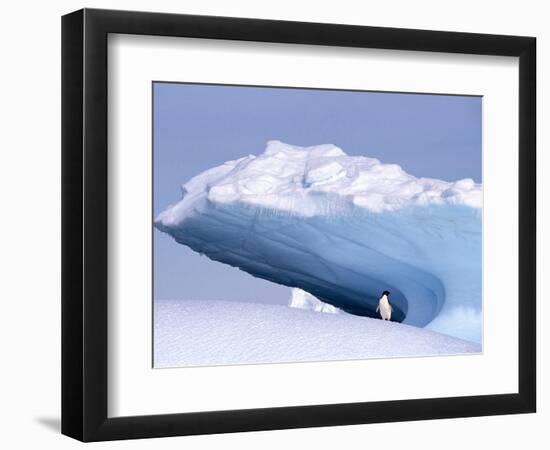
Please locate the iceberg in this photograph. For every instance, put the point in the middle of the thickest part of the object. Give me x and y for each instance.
(304, 300)
(343, 229)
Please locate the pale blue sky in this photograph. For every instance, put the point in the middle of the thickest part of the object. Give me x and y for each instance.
(200, 126)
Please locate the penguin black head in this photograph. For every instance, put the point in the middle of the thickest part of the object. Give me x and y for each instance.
(386, 293)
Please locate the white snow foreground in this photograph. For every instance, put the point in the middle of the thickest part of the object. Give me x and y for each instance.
(343, 228)
(198, 333)
(304, 300)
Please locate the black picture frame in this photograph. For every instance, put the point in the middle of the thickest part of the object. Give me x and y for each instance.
(84, 224)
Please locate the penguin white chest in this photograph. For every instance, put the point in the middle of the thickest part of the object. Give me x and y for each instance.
(385, 308)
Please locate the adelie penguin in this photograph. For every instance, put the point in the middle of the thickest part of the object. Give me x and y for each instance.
(384, 306)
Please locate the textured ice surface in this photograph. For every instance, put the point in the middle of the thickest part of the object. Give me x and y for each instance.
(343, 228)
(304, 300)
(195, 333)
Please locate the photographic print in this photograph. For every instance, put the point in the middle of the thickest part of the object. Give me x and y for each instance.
(302, 224)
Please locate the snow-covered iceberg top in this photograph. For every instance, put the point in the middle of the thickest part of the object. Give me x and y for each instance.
(344, 229)
(322, 178)
(253, 333)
